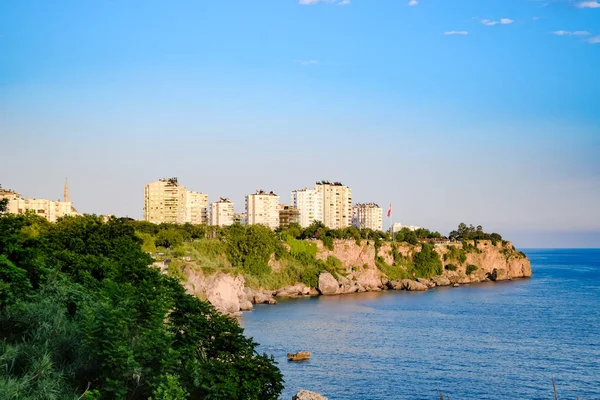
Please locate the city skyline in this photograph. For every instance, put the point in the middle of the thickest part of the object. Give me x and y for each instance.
(394, 100)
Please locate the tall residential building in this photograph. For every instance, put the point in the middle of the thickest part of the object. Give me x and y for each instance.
(49, 209)
(196, 207)
(337, 204)
(241, 218)
(309, 203)
(222, 213)
(288, 215)
(263, 208)
(167, 201)
(367, 216)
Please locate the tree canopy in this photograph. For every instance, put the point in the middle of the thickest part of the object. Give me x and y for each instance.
(471, 232)
(82, 315)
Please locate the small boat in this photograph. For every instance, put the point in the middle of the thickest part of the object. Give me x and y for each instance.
(299, 356)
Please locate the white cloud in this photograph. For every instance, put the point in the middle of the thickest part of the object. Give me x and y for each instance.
(503, 21)
(571, 33)
(413, 3)
(343, 2)
(456, 33)
(588, 4)
(488, 22)
(594, 40)
(307, 62)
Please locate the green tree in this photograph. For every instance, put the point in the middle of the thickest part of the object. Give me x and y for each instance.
(89, 316)
(169, 238)
(427, 262)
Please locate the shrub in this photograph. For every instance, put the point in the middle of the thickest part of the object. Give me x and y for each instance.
(327, 242)
(427, 262)
(471, 268)
(451, 267)
(456, 253)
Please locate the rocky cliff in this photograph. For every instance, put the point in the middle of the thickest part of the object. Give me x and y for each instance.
(361, 263)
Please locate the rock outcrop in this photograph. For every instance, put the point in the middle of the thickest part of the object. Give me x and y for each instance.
(359, 273)
(441, 280)
(308, 395)
(327, 284)
(407, 284)
(223, 291)
(259, 296)
(297, 290)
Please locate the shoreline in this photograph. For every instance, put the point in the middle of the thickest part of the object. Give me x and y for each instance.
(275, 298)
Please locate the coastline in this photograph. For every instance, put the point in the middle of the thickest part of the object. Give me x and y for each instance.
(363, 268)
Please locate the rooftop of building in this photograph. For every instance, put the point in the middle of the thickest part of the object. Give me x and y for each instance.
(330, 183)
(303, 190)
(170, 181)
(264, 193)
(367, 205)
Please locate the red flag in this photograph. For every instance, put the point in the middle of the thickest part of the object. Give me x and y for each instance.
(390, 211)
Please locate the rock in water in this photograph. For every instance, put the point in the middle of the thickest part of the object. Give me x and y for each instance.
(441, 280)
(308, 395)
(246, 305)
(413, 285)
(327, 284)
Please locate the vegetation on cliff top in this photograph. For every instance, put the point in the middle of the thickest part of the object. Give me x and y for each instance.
(83, 317)
(275, 259)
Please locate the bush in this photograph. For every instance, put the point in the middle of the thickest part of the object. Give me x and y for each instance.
(94, 317)
(451, 267)
(169, 238)
(471, 268)
(427, 262)
(328, 242)
(455, 253)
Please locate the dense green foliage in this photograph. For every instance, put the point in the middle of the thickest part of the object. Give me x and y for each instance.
(83, 316)
(250, 250)
(471, 268)
(412, 237)
(470, 232)
(427, 262)
(451, 267)
(455, 253)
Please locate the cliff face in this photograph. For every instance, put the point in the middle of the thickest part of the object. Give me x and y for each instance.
(494, 263)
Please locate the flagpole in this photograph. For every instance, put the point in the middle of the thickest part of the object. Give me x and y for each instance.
(391, 224)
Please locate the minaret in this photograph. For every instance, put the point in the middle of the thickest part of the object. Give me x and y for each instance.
(66, 192)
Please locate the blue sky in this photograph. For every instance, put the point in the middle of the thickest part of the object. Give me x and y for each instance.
(483, 111)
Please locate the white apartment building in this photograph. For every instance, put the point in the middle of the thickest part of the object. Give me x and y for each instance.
(397, 227)
(196, 207)
(167, 201)
(263, 208)
(49, 209)
(367, 216)
(222, 213)
(337, 204)
(309, 203)
(241, 218)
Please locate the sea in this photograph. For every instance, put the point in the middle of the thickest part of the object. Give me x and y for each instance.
(503, 340)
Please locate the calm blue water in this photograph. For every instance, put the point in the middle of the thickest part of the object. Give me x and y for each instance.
(486, 341)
